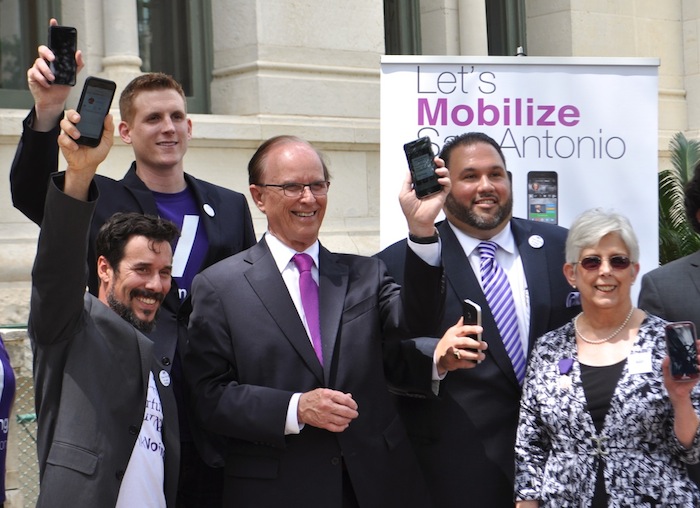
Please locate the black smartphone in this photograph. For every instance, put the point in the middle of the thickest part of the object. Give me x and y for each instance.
(94, 104)
(472, 316)
(542, 196)
(682, 350)
(419, 154)
(63, 41)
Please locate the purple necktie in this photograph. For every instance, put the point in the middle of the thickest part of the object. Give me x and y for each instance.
(309, 300)
(500, 299)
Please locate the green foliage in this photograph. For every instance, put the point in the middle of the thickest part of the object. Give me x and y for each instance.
(676, 235)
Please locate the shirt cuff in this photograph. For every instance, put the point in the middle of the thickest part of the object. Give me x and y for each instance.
(428, 252)
(292, 425)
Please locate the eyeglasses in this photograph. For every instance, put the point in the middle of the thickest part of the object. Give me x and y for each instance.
(295, 190)
(616, 262)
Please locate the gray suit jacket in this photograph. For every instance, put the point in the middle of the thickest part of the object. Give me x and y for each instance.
(672, 291)
(91, 371)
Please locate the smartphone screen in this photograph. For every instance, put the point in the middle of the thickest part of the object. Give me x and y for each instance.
(94, 105)
(63, 41)
(419, 154)
(542, 196)
(680, 344)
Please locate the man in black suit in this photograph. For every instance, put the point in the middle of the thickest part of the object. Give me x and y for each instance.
(305, 425)
(468, 432)
(214, 222)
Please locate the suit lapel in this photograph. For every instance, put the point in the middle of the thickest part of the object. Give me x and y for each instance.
(465, 284)
(534, 262)
(266, 280)
(333, 285)
(694, 269)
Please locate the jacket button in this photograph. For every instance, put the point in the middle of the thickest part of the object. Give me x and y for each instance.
(133, 430)
(335, 461)
(165, 361)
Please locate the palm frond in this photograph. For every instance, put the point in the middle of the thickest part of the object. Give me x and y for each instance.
(676, 235)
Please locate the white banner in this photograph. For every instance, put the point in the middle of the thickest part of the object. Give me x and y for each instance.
(576, 133)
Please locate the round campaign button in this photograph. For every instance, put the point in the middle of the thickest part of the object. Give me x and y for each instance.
(536, 241)
(208, 210)
(164, 378)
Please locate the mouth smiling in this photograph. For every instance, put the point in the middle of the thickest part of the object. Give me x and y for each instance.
(607, 288)
(304, 214)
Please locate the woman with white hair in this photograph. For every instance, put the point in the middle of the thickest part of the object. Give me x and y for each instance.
(602, 422)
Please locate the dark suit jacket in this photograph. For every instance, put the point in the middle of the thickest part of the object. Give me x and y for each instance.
(467, 435)
(229, 231)
(250, 353)
(91, 372)
(672, 292)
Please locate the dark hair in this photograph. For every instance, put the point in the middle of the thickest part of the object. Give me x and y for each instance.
(146, 83)
(118, 230)
(256, 166)
(692, 199)
(468, 139)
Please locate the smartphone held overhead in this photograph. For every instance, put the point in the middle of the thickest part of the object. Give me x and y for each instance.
(419, 154)
(681, 346)
(63, 42)
(93, 107)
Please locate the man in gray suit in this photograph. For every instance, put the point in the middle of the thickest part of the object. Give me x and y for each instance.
(672, 291)
(108, 429)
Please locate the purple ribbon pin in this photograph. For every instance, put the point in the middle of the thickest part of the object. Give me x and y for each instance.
(565, 365)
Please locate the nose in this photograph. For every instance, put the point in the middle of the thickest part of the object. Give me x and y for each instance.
(156, 283)
(168, 125)
(605, 267)
(306, 194)
(485, 183)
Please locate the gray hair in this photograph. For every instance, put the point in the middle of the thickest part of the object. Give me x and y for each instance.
(592, 225)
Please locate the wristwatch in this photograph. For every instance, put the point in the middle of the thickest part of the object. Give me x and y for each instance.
(425, 240)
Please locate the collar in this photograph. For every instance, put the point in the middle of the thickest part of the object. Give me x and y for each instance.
(282, 254)
(504, 239)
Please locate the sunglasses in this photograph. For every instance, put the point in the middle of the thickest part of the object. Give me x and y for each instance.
(594, 262)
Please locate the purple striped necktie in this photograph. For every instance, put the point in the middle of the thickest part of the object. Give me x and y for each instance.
(500, 299)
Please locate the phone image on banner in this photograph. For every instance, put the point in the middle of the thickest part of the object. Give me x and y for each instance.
(543, 196)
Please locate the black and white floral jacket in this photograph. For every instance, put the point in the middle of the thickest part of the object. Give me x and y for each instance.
(557, 447)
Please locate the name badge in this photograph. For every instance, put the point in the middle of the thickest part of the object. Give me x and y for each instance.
(639, 363)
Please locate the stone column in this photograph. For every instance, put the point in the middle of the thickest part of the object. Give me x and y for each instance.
(121, 62)
(473, 39)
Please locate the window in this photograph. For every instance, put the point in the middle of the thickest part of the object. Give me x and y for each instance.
(402, 27)
(175, 38)
(23, 26)
(505, 24)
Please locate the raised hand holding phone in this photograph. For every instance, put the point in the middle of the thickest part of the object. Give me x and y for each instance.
(419, 154)
(681, 344)
(63, 42)
(93, 107)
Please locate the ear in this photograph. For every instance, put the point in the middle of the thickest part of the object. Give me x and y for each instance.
(635, 271)
(570, 273)
(257, 196)
(189, 128)
(104, 270)
(124, 132)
